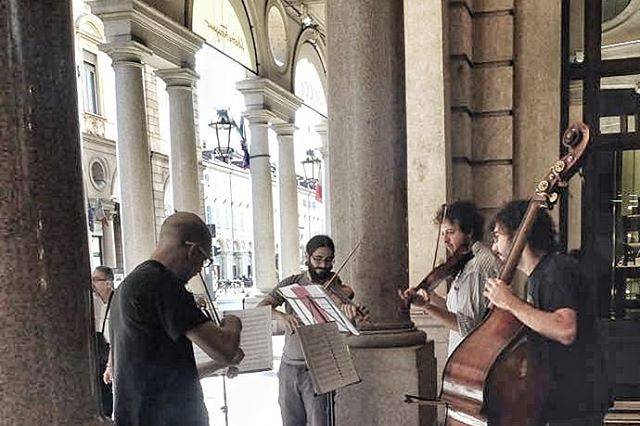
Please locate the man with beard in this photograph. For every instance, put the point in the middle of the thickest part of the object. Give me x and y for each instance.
(461, 229)
(298, 403)
(555, 311)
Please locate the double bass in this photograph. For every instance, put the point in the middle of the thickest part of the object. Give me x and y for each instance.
(493, 377)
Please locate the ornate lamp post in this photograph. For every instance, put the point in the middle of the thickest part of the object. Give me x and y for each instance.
(223, 126)
(311, 167)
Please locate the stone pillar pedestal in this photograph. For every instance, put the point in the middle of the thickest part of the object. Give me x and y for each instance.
(46, 364)
(108, 242)
(134, 166)
(368, 160)
(184, 162)
(289, 235)
(322, 131)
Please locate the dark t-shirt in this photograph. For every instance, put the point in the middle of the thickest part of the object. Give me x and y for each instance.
(555, 284)
(155, 376)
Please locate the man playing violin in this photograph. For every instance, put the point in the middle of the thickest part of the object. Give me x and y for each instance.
(464, 307)
(553, 310)
(298, 403)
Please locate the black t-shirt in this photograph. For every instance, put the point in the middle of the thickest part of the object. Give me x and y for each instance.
(555, 284)
(155, 376)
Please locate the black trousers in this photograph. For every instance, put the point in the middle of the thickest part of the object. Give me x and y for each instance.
(106, 397)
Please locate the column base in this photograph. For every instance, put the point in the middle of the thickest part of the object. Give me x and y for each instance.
(390, 364)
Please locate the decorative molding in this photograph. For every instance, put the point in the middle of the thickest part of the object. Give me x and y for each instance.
(178, 77)
(171, 43)
(127, 52)
(95, 125)
(262, 94)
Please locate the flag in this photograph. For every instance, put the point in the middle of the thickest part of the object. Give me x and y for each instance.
(100, 215)
(318, 190)
(90, 216)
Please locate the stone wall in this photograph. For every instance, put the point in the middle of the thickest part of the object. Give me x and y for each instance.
(481, 35)
(505, 97)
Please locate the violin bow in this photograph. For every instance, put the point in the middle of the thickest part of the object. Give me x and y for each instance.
(214, 316)
(344, 263)
(435, 255)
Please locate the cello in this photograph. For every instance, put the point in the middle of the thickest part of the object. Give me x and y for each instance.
(493, 376)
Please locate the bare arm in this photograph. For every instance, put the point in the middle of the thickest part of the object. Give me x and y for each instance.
(290, 321)
(560, 325)
(220, 343)
(445, 317)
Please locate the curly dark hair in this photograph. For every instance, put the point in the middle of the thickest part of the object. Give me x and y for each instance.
(543, 233)
(466, 215)
(320, 241)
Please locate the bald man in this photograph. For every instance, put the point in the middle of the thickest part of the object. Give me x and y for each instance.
(154, 321)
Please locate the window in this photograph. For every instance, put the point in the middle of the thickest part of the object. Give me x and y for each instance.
(98, 175)
(90, 75)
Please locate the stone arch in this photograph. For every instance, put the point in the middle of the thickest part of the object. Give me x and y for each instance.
(246, 17)
(311, 46)
(90, 27)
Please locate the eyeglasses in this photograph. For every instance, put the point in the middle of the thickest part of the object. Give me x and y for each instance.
(207, 258)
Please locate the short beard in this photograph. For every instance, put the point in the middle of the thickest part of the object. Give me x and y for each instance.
(319, 274)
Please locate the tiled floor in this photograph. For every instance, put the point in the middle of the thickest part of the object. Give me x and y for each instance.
(252, 399)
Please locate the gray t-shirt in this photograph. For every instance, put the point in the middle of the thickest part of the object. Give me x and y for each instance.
(292, 353)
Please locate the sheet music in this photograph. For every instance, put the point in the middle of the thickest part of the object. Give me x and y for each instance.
(322, 301)
(328, 357)
(255, 341)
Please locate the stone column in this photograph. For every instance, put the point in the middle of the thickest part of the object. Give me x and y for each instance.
(108, 242)
(322, 131)
(289, 235)
(368, 161)
(184, 162)
(262, 203)
(429, 168)
(46, 367)
(134, 166)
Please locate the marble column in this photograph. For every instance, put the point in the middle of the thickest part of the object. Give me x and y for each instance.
(288, 190)
(184, 162)
(264, 257)
(429, 168)
(134, 165)
(108, 242)
(46, 367)
(322, 131)
(368, 180)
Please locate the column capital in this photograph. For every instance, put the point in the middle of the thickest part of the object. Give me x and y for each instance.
(264, 94)
(260, 117)
(126, 52)
(171, 43)
(322, 128)
(178, 77)
(284, 129)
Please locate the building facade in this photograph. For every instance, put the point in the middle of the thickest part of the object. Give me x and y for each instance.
(405, 120)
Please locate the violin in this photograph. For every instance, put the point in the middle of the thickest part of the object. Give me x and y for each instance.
(449, 269)
(344, 298)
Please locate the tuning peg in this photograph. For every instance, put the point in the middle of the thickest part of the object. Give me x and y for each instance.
(543, 185)
(559, 166)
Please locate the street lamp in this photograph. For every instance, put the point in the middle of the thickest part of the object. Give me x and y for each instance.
(311, 168)
(223, 126)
